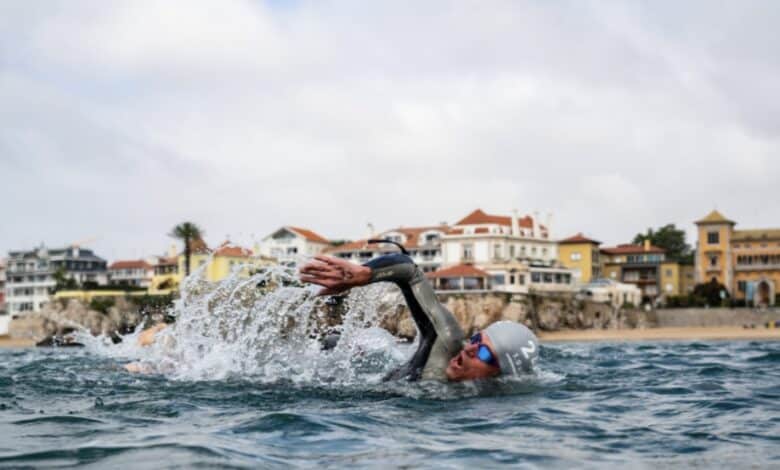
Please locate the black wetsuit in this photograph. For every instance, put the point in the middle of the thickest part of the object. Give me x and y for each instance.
(441, 338)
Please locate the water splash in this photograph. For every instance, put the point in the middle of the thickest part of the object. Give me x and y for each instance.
(268, 327)
(265, 325)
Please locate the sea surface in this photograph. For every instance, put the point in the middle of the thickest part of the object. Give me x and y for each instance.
(595, 405)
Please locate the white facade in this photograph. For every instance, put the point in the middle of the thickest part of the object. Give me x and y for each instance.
(614, 293)
(288, 244)
(422, 243)
(131, 273)
(30, 275)
(517, 252)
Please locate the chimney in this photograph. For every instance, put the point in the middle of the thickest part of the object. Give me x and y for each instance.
(536, 233)
(515, 224)
(548, 223)
(647, 244)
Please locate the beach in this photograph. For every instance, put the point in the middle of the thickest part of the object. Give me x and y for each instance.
(733, 333)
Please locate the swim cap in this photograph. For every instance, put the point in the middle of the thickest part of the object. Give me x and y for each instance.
(515, 345)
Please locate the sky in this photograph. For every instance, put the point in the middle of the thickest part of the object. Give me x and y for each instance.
(119, 120)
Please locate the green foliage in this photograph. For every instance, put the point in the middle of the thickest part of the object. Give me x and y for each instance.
(628, 306)
(338, 242)
(711, 292)
(63, 281)
(187, 232)
(153, 303)
(101, 304)
(671, 239)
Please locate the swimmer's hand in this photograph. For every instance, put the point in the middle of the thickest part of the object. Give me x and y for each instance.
(335, 275)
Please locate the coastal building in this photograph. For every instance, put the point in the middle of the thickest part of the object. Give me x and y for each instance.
(423, 244)
(580, 254)
(220, 262)
(617, 294)
(746, 262)
(288, 243)
(32, 276)
(517, 252)
(641, 265)
(166, 277)
(132, 273)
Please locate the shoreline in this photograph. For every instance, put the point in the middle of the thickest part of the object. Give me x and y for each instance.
(690, 333)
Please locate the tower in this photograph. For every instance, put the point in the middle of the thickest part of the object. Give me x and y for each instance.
(713, 250)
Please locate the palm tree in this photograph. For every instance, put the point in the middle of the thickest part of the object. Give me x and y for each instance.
(187, 232)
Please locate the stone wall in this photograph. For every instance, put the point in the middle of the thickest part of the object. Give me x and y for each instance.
(548, 312)
(681, 317)
(57, 319)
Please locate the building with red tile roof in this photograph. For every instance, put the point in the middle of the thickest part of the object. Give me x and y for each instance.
(423, 244)
(135, 272)
(289, 243)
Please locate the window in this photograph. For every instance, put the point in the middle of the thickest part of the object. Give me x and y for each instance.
(497, 251)
(713, 238)
(521, 279)
(511, 251)
(548, 278)
(714, 261)
(576, 256)
(498, 279)
(512, 279)
(468, 252)
(742, 286)
(536, 277)
(668, 273)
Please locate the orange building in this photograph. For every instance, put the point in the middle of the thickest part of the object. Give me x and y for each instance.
(747, 262)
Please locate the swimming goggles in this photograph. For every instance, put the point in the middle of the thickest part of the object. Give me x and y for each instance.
(484, 353)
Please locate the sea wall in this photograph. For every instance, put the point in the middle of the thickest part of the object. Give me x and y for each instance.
(548, 312)
(714, 317)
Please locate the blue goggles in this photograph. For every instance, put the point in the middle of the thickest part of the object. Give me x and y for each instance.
(484, 353)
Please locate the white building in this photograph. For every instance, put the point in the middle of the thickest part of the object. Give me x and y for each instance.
(31, 276)
(288, 243)
(518, 253)
(612, 292)
(2, 286)
(134, 273)
(423, 244)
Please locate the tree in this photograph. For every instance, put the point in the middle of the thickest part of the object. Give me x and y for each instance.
(187, 232)
(671, 239)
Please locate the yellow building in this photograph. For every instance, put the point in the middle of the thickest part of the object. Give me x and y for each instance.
(166, 276)
(746, 262)
(669, 273)
(580, 254)
(221, 261)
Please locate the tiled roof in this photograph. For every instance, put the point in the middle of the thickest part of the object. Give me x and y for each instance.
(579, 238)
(631, 249)
(755, 235)
(412, 235)
(226, 249)
(715, 217)
(308, 234)
(479, 217)
(130, 264)
(460, 270)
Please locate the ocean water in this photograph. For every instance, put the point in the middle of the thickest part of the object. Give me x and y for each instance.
(240, 381)
(641, 405)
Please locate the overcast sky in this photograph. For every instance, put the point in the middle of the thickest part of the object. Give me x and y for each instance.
(120, 119)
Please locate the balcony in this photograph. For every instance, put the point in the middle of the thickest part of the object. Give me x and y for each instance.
(756, 267)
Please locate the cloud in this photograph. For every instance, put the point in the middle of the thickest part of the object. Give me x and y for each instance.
(128, 118)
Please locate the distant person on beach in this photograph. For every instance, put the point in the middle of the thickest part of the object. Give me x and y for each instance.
(503, 348)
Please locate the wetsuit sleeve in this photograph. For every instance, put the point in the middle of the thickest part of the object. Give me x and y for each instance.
(440, 334)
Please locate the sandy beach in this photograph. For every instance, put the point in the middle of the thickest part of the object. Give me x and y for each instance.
(6, 342)
(664, 334)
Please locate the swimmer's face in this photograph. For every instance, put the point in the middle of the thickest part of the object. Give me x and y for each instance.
(467, 366)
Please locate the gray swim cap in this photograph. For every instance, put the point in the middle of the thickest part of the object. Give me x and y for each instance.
(515, 345)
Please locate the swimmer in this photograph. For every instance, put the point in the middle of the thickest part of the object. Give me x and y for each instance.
(503, 348)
